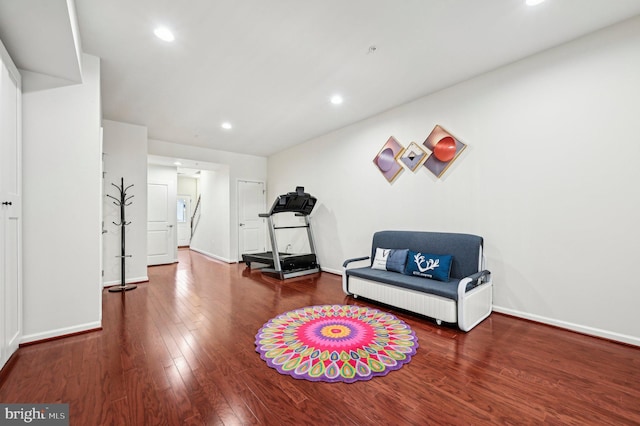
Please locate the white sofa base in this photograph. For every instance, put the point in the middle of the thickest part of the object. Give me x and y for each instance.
(473, 307)
(422, 303)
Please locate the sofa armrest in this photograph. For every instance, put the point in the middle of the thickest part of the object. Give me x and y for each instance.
(355, 259)
(345, 279)
(478, 278)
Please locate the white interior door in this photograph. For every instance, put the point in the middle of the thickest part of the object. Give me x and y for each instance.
(251, 227)
(10, 209)
(184, 220)
(160, 224)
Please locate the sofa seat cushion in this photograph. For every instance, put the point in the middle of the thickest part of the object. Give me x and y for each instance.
(439, 288)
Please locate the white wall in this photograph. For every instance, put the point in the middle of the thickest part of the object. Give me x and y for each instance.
(125, 156)
(213, 234)
(549, 179)
(240, 167)
(188, 186)
(62, 207)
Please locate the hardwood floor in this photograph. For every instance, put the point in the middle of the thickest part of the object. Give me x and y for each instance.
(180, 351)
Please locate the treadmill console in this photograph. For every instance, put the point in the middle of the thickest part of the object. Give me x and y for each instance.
(295, 202)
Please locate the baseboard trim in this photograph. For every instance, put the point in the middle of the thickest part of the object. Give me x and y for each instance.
(331, 271)
(582, 329)
(213, 256)
(136, 280)
(32, 339)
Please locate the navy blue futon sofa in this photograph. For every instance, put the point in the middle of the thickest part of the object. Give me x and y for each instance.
(442, 277)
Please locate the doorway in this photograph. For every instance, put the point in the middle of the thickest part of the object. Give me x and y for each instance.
(205, 229)
(161, 215)
(10, 209)
(251, 227)
(183, 218)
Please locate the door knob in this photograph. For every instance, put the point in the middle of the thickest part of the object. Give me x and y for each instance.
(7, 203)
(242, 224)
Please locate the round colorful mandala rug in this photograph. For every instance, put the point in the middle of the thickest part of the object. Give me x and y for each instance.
(336, 343)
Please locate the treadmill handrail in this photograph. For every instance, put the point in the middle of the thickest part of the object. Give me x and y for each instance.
(290, 227)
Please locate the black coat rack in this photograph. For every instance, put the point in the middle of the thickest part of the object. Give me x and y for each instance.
(122, 202)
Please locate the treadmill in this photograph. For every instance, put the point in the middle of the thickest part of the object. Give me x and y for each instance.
(280, 264)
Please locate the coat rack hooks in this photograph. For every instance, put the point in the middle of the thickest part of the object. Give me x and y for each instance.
(122, 202)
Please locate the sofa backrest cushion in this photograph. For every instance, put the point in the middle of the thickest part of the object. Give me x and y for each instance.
(466, 249)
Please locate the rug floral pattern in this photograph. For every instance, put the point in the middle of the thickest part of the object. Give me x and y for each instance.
(336, 343)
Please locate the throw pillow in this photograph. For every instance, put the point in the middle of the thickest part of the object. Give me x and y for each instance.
(380, 261)
(397, 260)
(435, 266)
(393, 260)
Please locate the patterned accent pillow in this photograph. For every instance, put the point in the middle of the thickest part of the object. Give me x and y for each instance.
(393, 260)
(426, 265)
(380, 261)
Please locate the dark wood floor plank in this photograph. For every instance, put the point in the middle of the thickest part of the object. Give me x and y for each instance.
(181, 392)
(217, 410)
(180, 350)
(146, 405)
(233, 388)
(110, 354)
(119, 412)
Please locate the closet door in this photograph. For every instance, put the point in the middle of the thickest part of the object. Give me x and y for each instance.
(10, 208)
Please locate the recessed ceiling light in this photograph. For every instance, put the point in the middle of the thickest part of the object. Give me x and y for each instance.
(164, 33)
(226, 125)
(534, 2)
(336, 99)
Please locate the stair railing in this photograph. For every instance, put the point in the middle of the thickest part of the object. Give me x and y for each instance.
(195, 218)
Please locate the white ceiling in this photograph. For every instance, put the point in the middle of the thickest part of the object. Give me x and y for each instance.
(42, 37)
(270, 67)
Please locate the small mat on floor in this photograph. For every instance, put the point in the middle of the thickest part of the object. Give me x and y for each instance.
(336, 343)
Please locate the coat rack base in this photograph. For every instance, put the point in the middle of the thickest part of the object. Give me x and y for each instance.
(118, 288)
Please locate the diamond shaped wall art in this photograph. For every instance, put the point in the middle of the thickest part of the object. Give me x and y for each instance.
(436, 154)
(445, 149)
(414, 156)
(387, 159)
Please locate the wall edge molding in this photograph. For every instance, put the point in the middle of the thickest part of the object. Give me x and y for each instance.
(582, 329)
(60, 332)
(213, 256)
